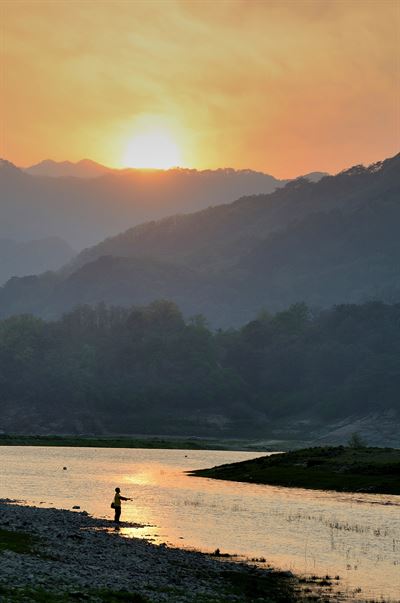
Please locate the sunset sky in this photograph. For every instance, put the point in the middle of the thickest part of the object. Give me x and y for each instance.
(286, 87)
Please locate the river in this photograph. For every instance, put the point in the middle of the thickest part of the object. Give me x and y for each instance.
(354, 536)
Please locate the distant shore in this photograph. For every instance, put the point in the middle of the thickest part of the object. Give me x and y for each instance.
(346, 469)
(58, 556)
(156, 442)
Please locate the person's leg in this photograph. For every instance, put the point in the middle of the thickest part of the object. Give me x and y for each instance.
(117, 514)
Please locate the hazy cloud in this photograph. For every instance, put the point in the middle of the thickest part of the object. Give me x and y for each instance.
(286, 87)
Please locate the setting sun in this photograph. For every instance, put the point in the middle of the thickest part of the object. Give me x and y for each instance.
(152, 149)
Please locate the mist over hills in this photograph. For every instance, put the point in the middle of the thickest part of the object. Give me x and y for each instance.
(327, 242)
(83, 210)
(19, 259)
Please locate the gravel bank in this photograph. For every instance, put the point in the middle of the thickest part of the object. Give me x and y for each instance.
(74, 553)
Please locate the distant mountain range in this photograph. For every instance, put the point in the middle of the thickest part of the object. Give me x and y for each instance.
(20, 259)
(325, 242)
(83, 209)
(85, 168)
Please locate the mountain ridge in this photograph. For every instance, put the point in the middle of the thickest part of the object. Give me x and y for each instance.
(83, 211)
(328, 242)
(260, 212)
(87, 168)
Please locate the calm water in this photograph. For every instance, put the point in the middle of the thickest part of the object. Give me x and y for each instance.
(354, 536)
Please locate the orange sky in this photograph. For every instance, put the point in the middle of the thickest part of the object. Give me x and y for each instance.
(283, 86)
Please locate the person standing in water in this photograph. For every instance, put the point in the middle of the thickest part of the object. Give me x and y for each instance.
(117, 504)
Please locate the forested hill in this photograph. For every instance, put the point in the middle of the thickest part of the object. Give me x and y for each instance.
(83, 210)
(324, 243)
(219, 235)
(147, 370)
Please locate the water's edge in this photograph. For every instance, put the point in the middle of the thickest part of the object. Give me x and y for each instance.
(351, 535)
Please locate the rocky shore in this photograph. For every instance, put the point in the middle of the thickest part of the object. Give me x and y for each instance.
(70, 556)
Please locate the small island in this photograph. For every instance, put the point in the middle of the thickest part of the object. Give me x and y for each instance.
(341, 468)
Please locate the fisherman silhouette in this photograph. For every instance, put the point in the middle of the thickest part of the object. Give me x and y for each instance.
(116, 505)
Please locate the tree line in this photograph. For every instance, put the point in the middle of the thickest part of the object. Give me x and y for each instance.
(148, 370)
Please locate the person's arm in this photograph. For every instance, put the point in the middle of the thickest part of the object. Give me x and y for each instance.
(124, 498)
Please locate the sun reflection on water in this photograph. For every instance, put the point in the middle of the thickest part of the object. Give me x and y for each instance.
(352, 535)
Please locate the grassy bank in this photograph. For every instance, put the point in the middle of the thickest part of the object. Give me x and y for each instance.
(375, 470)
(153, 441)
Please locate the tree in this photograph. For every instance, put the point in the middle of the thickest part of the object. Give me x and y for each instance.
(356, 441)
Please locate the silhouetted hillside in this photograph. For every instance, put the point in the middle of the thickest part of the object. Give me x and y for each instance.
(84, 210)
(329, 258)
(86, 168)
(329, 242)
(218, 235)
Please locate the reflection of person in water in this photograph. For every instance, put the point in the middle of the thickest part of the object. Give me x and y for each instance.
(117, 504)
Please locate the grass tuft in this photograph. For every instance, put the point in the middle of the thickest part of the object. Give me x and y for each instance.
(18, 542)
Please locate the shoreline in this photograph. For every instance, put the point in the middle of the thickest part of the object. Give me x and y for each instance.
(364, 469)
(67, 555)
(140, 441)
